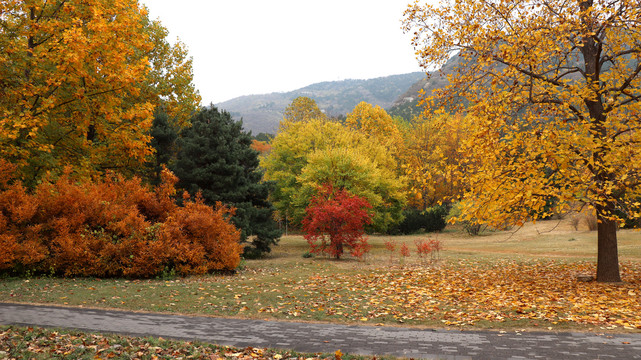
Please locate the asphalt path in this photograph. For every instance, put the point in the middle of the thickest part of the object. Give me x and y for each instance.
(321, 337)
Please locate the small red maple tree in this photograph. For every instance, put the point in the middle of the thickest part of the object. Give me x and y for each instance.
(335, 219)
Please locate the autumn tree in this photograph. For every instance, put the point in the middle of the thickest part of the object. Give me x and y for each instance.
(301, 109)
(215, 157)
(308, 154)
(80, 81)
(376, 122)
(556, 88)
(431, 160)
(335, 219)
(262, 147)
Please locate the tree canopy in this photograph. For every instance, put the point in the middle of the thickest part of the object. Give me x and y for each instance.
(308, 155)
(301, 109)
(80, 81)
(555, 88)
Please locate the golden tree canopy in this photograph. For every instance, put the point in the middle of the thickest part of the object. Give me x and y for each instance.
(79, 83)
(555, 86)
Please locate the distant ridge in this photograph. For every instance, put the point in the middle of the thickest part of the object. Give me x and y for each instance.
(262, 113)
(406, 105)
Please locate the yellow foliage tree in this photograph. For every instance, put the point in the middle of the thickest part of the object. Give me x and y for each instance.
(376, 122)
(555, 88)
(309, 154)
(80, 81)
(431, 160)
(301, 109)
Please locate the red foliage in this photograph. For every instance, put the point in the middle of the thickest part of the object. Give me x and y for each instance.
(335, 219)
(405, 251)
(431, 247)
(391, 247)
(110, 227)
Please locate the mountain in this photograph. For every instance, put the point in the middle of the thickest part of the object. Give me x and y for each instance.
(262, 113)
(406, 105)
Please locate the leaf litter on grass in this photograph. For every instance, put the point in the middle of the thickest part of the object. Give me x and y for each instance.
(39, 343)
(496, 294)
(469, 292)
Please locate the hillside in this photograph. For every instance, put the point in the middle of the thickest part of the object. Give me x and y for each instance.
(262, 113)
(406, 105)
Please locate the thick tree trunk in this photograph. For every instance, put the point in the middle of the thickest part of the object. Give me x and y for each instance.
(608, 256)
(607, 269)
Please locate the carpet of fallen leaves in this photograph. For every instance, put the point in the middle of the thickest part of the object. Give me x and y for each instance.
(503, 294)
(471, 292)
(39, 343)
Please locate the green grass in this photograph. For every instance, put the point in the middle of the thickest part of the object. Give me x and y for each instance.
(287, 286)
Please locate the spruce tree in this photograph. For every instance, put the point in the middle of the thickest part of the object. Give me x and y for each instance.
(214, 157)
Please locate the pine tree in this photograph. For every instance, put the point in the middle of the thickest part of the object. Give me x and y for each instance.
(214, 157)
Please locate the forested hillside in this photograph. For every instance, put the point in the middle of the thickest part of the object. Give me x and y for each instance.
(261, 113)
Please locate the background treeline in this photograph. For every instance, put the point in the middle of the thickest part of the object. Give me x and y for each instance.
(403, 169)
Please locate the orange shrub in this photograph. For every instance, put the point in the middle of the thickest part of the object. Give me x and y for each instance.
(200, 239)
(110, 227)
(18, 237)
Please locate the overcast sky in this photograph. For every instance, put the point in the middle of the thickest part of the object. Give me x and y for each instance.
(260, 46)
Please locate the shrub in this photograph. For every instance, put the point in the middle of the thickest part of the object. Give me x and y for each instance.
(110, 227)
(199, 239)
(472, 227)
(391, 247)
(405, 251)
(430, 247)
(591, 221)
(574, 221)
(429, 220)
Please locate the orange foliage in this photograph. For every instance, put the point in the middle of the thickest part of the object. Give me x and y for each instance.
(262, 147)
(198, 238)
(110, 227)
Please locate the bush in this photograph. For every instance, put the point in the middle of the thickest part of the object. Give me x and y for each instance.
(430, 220)
(110, 227)
(199, 239)
(430, 247)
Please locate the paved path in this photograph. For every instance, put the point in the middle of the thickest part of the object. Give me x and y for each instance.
(308, 337)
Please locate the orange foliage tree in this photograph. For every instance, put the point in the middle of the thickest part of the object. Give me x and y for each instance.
(262, 147)
(555, 87)
(80, 81)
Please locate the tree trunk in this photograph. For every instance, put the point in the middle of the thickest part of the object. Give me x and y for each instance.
(607, 268)
(339, 249)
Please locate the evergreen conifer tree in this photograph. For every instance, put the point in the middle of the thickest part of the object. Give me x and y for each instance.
(214, 156)
(164, 136)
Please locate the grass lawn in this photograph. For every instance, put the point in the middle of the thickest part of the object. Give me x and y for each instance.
(500, 280)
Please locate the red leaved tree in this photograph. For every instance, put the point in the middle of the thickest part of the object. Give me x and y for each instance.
(335, 219)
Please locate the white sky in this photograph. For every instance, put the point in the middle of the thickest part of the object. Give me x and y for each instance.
(262, 46)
